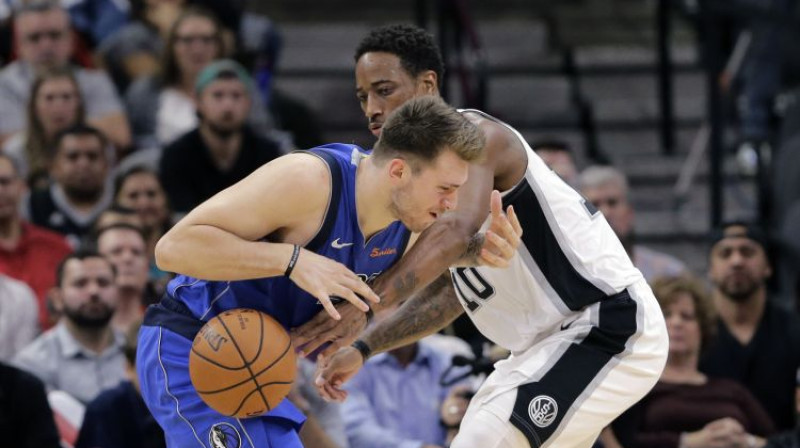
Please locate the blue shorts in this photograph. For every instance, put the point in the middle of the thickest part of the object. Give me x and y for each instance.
(162, 365)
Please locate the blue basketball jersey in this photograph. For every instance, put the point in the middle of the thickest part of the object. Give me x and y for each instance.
(339, 238)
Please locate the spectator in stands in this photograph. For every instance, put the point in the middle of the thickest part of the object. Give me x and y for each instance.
(27, 252)
(118, 417)
(397, 400)
(161, 107)
(42, 35)
(80, 190)
(758, 343)
(134, 50)
(25, 415)
(607, 189)
(558, 156)
(140, 189)
(55, 104)
(686, 408)
(223, 149)
(123, 245)
(82, 355)
(117, 214)
(18, 317)
(96, 20)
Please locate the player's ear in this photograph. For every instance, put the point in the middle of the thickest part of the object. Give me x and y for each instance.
(428, 82)
(398, 169)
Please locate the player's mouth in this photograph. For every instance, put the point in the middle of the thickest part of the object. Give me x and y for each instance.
(375, 128)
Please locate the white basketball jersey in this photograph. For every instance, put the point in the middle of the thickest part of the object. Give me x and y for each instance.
(569, 258)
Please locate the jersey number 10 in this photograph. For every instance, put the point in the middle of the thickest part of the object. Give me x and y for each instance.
(479, 290)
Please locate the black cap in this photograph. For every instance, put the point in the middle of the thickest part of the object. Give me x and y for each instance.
(739, 229)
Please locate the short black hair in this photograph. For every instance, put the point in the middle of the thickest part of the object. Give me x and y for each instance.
(80, 254)
(414, 46)
(80, 129)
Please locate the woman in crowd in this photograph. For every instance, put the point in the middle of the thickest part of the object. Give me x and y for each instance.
(55, 104)
(687, 409)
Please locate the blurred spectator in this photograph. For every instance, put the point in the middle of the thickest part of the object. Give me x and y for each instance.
(82, 355)
(140, 189)
(55, 104)
(134, 51)
(42, 35)
(162, 107)
(558, 156)
(117, 214)
(80, 190)
(686, 408)
(27, 252)
(18, 317)
(25, 415)
(324, 426)
(397, 400)
(118, 417)
(223, 149)
(607, 189)
(124, 247)
(758, 343)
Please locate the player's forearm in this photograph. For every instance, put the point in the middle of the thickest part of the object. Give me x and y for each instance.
(444, 244)
(210, 253)
(429, 311)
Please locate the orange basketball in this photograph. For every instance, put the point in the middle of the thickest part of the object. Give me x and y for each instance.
(242, 363)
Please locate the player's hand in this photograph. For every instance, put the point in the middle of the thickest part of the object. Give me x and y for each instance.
(320, 329)
(322, 278)
(503, 236)
(333, 372)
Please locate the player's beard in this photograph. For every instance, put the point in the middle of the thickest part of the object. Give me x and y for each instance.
(84, 319)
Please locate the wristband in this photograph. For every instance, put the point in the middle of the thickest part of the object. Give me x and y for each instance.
(362, 348)
(292, 261)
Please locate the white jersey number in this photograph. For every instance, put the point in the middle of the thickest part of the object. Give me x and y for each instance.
(478, 289)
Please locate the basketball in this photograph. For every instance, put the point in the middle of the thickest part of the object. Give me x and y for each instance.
(242, 363)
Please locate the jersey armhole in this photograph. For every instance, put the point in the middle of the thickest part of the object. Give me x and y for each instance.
(333, 204)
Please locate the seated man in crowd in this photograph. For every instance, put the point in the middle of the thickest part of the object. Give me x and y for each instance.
(223, 149)
(757, 343)
(82, 355)
(80, 189)
(43, 37)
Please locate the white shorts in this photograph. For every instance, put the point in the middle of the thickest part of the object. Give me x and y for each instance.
(564, 390)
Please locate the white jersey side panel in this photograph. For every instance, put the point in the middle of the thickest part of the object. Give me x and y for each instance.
(569, 259)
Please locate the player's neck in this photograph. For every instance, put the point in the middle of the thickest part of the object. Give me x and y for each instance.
(372, 199)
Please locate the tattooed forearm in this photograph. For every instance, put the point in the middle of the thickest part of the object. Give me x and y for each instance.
(430, 310)
(473, 250)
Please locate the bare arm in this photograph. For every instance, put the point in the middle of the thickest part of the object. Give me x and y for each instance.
(429, 311)
(425, 313)
(221, 238)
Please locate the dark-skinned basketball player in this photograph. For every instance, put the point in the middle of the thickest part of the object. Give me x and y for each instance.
(302, 229)
(586, 335)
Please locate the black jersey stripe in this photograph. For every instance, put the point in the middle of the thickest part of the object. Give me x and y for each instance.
(572, 288)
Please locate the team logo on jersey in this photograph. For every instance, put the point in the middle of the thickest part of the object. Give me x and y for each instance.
(542, 410)
(224, 435)
(376, 252)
